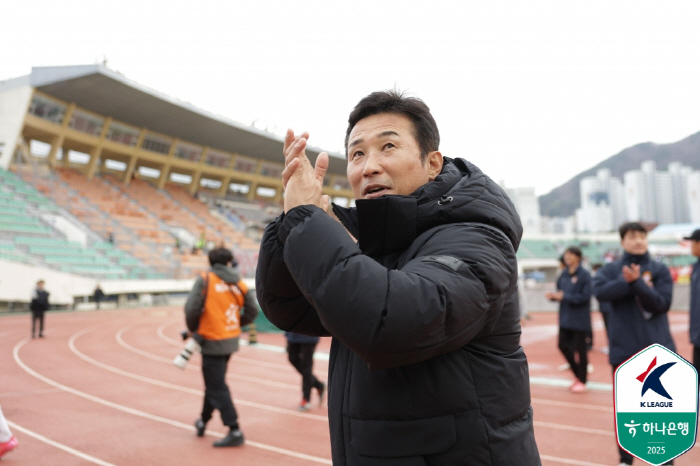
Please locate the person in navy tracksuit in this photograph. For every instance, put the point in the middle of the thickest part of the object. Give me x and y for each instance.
(695, 298)
(574, 296)
(603, 306)
(639, 290)
(300, 351)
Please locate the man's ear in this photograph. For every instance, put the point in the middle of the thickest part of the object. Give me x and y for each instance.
(434, 164)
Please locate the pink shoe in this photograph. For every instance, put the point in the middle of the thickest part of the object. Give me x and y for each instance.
(304, 405)
(578, 387)
(8, 446)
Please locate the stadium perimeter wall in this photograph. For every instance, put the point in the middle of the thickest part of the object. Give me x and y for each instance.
(535, 300)
(18, 280)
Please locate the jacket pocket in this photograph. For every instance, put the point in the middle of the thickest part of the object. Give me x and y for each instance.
(382, 438)
(502, 385)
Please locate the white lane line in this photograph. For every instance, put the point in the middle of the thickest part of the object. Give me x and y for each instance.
(529, 335)
(584, 430)
(568, 461)
(534, 334)
(192, 391)
(272, 365)
(567, 404)
(160, 331)
(324, 418)
(318, 355)
(537, 423)
(192, 366)
(47, 332)
(558, 382)
(262, 346)
(60, 446)
(152, 417)
(29, 392)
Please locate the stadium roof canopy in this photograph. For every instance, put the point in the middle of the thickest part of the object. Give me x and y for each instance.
(673, 230)
(106, 92)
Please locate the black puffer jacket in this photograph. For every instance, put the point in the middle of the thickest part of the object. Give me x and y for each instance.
(425, 362)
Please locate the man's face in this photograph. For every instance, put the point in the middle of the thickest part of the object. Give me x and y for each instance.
(571, 259)
(40, 285)
(695, 248)
(635, 242)
(384, 158)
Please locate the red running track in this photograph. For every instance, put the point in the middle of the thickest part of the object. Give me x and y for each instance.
(101, 389)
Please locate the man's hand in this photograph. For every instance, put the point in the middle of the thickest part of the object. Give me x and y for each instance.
(293, 148)
(554, 296)
(303, 183)
(631, 274)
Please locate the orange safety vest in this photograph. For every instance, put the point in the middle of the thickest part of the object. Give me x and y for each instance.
(222, 308)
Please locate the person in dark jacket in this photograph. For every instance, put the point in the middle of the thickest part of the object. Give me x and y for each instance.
(603, 306)
(417, 287)
(300, 351)
(213, 315)
(39, 305)
(99, 295)
(694, 239)
(639, 290)
(574, 296)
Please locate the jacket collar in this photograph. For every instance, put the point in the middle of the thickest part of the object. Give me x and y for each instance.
(227, 274)
(386, 224)
(391, 223)
(640, 259)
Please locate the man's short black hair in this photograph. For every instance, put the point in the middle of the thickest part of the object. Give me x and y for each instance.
(221, 256)
(425, 129)
(575, 251)
(631, 226)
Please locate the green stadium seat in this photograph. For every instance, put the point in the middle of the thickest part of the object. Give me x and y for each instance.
(22, 228)
(6, 210)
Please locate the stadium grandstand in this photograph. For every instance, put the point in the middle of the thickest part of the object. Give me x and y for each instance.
(102, 177)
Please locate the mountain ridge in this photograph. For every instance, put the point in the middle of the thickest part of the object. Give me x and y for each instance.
(563, 200)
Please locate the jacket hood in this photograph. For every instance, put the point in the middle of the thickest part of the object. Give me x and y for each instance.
(461, 193)
(227, 274)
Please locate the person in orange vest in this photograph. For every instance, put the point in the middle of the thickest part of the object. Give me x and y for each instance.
(216, 309)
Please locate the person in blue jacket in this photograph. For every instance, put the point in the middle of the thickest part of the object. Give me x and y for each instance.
(300, 350)
(604, 308)
(639, 290)
(574, 296)
(695, 298)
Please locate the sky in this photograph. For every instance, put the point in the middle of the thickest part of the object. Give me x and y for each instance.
(533, 92)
